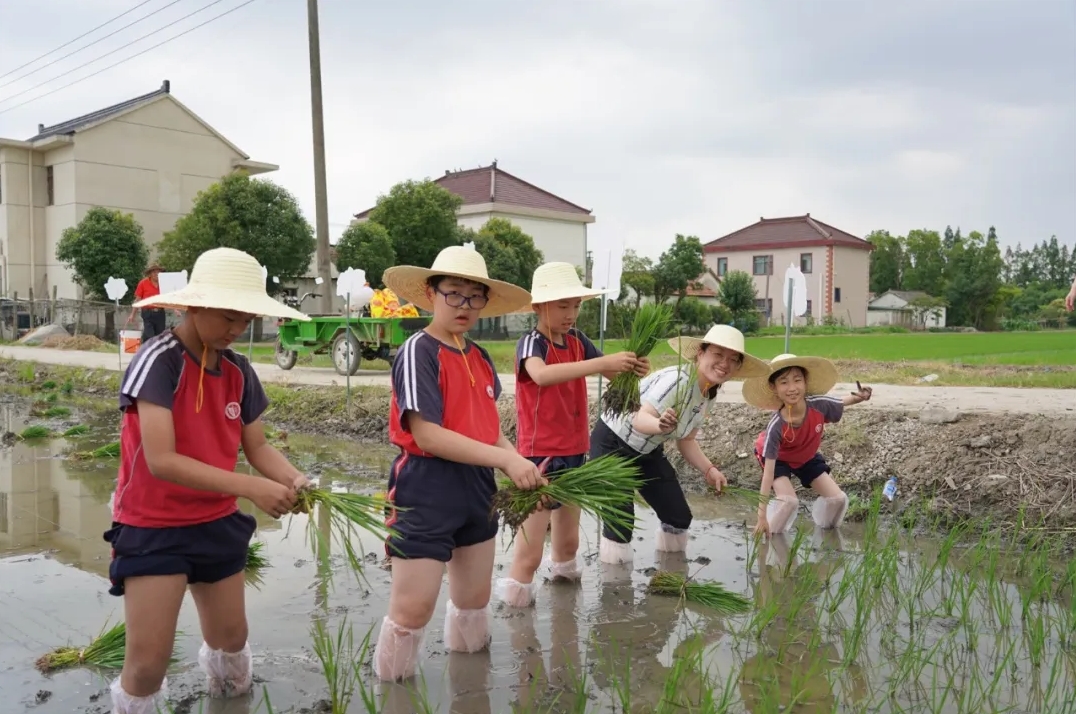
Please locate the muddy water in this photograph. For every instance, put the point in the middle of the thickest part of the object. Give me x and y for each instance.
(606, 631)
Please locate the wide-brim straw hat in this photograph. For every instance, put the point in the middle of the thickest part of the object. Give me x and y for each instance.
(154, 268)
(225, 279)
(723, 336)
(821, 378)
(558, 281)
(409, 282)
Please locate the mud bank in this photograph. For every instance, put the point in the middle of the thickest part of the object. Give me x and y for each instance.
(949, 463)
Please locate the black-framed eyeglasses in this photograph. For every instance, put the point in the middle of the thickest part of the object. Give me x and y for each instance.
(454, 299)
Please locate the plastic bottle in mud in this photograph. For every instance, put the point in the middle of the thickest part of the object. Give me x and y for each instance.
(890, 489)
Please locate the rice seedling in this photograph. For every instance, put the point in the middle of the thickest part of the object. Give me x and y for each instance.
(340, 662)
(52, 398)
(56, 412)
(708, 594)
(48, 384)
(651, 323)
(106, 451)
(106, 651)
(76, 430)
(67, 387)
(347, 514)
(37, 431)
(599, 487)
(256, 564)
(26, 372)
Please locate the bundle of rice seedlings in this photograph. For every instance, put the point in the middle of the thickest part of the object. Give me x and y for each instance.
(108, 451)
(76, 430)
(105, 651)
(37, 431)
(650, 325)
(709, 594)
(348, 513)
(600, 487)
(256, 563)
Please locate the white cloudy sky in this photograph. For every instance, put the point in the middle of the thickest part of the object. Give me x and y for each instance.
(663, 116)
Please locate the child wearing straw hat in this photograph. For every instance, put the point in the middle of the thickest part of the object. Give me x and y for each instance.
(444, 419)
(552, 418)
(796, 390)
(188, 404)
(675, 402)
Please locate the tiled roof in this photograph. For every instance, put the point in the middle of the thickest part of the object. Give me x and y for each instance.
(789, 231)
(489, 184)
(78, 123)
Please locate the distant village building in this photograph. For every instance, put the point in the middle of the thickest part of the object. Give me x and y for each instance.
(905, 308)
(835, 263)
(148, 156)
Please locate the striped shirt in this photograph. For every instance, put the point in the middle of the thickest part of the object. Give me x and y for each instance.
(660, 390)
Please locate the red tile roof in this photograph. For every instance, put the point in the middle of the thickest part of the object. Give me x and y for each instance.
(788, 232)
(489, 184)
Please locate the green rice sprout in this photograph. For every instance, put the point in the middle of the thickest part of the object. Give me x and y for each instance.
(256, 563)
(348, 513)
(106, 651)
(57, 411)
(601, 487)
(108, 451)
(48, 384)
(76, 430)
(708, 594)
(37, 431)
(67, 387)
(650, 325)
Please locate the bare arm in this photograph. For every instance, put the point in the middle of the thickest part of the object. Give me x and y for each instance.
(453, 446)
(265, 457)
(692, 453)
(647, 421)
(546, 375)
(767, 484)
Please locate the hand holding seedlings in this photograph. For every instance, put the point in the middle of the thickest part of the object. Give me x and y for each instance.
(715, 478)
(524, 473)
(274, 498)
(621, 362)
(643, 367)
(762, 527)
(668, 421)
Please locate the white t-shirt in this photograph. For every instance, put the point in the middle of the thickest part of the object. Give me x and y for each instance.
(659, 390)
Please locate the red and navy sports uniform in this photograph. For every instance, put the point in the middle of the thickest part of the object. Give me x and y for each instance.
(164, 528)
(795, 449)
(443, 505)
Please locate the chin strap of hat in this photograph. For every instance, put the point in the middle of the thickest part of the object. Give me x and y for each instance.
(466, 362)
(201, 377)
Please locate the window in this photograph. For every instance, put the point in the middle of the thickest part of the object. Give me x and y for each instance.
(763, 265)
(836, 294)
(764, 306)
(722, 267)
(49, 185)
(806, 262)
(809, 312)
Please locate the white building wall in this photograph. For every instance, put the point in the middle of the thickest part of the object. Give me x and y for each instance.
(563, 241)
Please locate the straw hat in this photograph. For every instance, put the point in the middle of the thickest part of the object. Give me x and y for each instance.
(723, 336)
(225, 279)
(558, 281)
(154, 268)
(457, 261)
(821, 378)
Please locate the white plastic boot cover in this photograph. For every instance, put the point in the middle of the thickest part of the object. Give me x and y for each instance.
(514, 593)
(466, 630)
(396, 652)
(230, 674)
(124, 703)
(671, 540)
(568, 570)
(829, 512)
(614, 553)
(781, 513)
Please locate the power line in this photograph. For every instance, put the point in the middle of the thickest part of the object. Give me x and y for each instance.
(126, 59)
(84, 34)
(111, 52)
(99, 39)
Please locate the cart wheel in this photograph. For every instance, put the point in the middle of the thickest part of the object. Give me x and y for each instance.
(285, 359)
(346, 354)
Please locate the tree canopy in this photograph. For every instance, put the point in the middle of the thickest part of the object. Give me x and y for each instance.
(105, 243)
(678, 268)
(420, 217)
(366, 246)
(509, 253)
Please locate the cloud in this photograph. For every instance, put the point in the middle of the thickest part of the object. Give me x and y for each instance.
(695, 117)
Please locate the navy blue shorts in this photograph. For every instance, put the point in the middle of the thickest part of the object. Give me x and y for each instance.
(448, 506)
(806, 473)
(555, 466)
(205, 553)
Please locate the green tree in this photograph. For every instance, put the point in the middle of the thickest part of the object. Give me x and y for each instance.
(636, 273)
(974, 266)
(255, 216)
(738, 295)
(420, 217)
(886, 261)
(366, 246)
(695, 315)
(509, 253)
(923, 263)
(678, 268)
(105, 243)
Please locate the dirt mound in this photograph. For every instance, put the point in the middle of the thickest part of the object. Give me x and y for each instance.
(87, 343)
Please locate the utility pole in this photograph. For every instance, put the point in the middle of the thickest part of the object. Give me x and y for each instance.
(321, 202)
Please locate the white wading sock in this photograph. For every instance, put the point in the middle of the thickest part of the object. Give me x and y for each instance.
(514, 593)
(466, 630)
(397, 651)
(230, 674)
(613, 553)
(781, 513)
(124, 703)
(671, 540)
(828, 512)
(568, 570)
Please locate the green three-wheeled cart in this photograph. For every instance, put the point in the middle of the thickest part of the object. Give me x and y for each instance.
(348, 341)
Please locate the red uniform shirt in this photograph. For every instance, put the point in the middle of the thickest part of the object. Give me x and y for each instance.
(453, 389)
(146, 289)
(552, 421)
(797, 445)
(165, 373)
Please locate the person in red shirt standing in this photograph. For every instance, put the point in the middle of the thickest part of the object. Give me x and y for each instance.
(796, 390)
(443, 417)
(188, 404)
(153, 323)
(552, 418)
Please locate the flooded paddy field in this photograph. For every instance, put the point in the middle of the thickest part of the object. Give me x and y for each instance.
(868, 619)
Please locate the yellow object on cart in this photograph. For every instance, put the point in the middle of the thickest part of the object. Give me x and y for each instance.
(386, 304)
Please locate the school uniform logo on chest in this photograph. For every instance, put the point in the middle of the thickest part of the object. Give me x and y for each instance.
(489, 391)
(232, 410)
(818, 428)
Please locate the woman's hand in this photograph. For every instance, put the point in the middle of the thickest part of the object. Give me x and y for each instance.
(667, 421)
(762, 527)
(715, 478)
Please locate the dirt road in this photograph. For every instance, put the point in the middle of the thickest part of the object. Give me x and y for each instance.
(963, 399)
